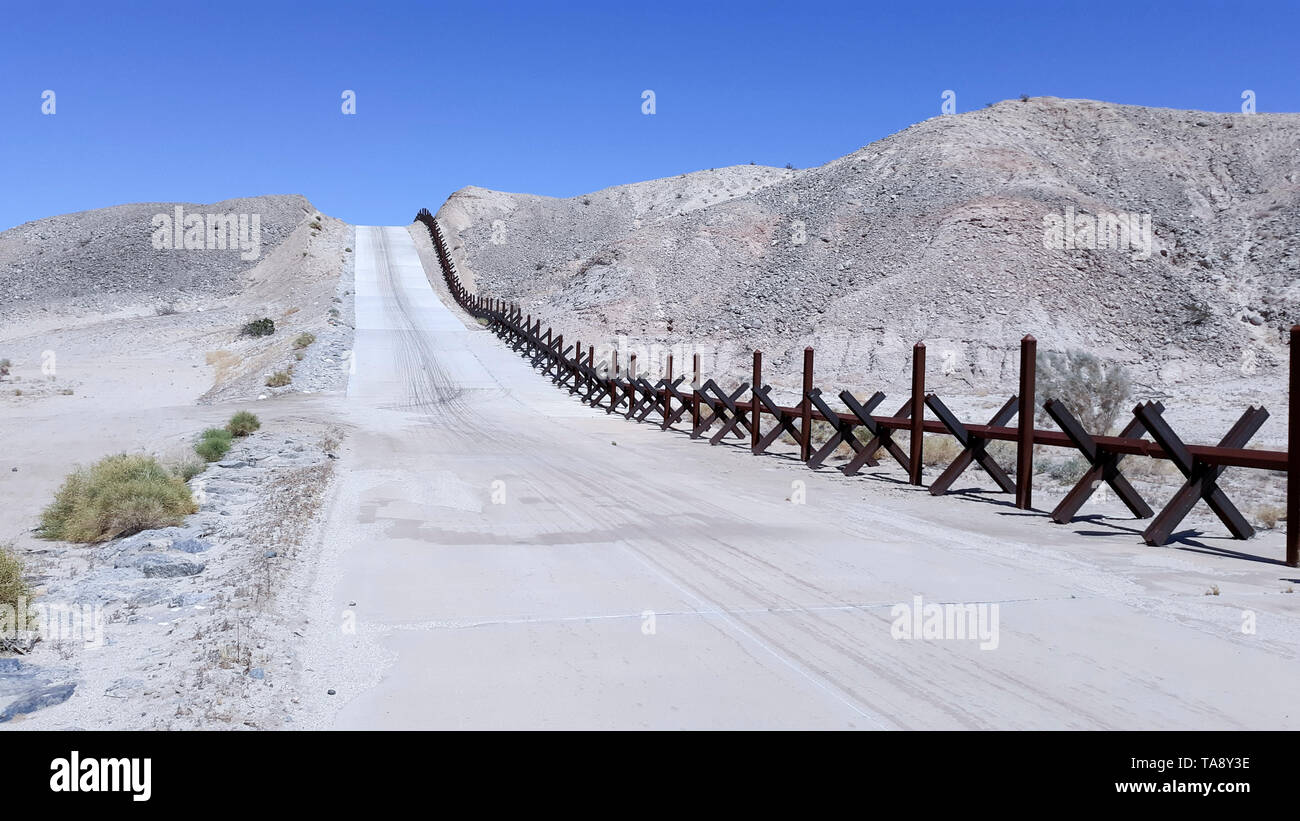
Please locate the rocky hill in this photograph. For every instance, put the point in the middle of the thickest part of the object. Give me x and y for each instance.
(128, 254)
(951, 231)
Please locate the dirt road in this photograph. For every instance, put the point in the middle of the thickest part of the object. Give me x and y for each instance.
(498, 555)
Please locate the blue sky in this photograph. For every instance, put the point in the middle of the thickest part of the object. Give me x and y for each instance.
(202, 102)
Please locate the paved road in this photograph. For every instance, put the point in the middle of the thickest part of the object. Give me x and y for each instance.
(632, 578)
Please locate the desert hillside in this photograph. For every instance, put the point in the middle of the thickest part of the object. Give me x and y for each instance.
(939, 232)
(126, 300)
(109, 257)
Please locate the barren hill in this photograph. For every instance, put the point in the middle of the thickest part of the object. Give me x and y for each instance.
(155, 295)
(939, 232)
(109, 257)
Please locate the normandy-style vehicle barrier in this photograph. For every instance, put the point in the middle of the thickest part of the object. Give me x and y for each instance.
(706, 409)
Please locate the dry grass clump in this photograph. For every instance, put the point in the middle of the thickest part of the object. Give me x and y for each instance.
(117, 496)
(12, 587)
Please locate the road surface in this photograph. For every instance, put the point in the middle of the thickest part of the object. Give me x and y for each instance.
(501, 556)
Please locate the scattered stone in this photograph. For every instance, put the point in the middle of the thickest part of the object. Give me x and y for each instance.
(154, 565)
(38, 699)
(191, 545)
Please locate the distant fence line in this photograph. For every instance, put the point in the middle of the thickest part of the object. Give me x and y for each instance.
(705, 408)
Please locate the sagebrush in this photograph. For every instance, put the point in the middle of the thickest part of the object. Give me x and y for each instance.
(1094, 390)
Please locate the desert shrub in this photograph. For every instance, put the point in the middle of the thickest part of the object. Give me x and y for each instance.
(12, 586)
(278, 379)
(1150, 470)
(1067, 471)
(117, 496)
(1004, 453)
(213, 444)
(169, 309)
(303, 340)
(242, 424)
(5, 365)
(258, 327)
(1093, 390)
(939, 451)
(1267, 516)
(188, 468)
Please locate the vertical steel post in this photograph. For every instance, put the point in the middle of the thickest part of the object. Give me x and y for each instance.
(613, 382)
(1025, 420)
(668, 397)
(695, 393)
(805, 407)
(918, 413)
(753, 400)
(1293, 455)
(631, 388)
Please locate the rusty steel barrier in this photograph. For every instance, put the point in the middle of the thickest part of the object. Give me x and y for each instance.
(706, 408)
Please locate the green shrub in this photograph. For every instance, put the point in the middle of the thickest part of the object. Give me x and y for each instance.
(5, 365)
(117, 496)
(258, 327)
(12, 586)
(1093, 390)
(304, 339)
(242, 424)
(213, 444)
(278, 379)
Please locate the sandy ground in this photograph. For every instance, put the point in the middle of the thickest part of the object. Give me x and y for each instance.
(179, 651)
(497, 555)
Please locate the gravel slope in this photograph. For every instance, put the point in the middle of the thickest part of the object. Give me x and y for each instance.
(105, 258)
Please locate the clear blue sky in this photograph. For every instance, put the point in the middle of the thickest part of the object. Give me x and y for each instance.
(199, 102)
